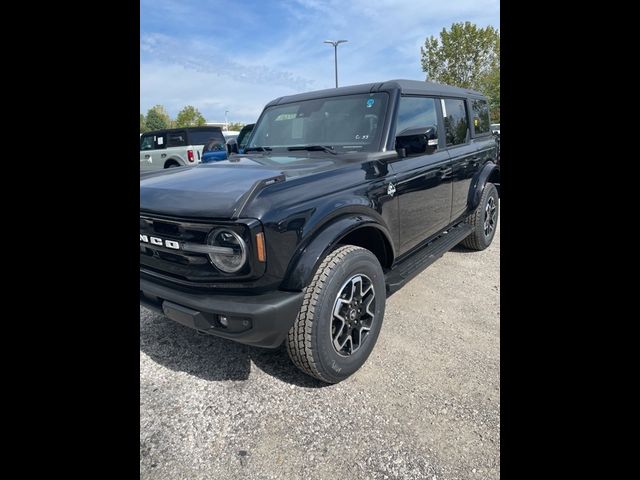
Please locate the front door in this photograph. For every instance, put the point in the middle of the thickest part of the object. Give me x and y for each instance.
(146, 147)
(153, 151)
(423, 182)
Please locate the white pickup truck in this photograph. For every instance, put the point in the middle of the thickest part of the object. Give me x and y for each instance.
(176, 147)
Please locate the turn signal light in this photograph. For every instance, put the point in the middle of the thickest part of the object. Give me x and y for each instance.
(190, 155)
(262, 253)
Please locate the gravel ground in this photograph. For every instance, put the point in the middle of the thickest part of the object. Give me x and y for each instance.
(426, 405)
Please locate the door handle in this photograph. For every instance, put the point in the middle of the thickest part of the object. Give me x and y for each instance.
(163, 155)
(147, 156)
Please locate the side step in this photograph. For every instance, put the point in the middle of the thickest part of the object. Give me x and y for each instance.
(425, 256)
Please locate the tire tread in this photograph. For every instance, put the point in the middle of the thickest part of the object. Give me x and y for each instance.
(299, 338)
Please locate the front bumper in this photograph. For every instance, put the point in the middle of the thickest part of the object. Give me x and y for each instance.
(261, 320)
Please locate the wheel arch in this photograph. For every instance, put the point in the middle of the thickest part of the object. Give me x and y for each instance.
(490, 173)
(359, 230)
(171, 160)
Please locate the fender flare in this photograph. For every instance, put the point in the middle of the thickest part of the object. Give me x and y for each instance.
(309, 254)
(478, 183)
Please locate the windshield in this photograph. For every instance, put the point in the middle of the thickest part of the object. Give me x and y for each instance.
(346, 123)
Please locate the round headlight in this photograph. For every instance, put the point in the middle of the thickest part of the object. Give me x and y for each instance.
(233, 251)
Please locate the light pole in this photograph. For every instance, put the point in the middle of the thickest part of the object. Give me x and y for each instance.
(335, 44)
(226, 122)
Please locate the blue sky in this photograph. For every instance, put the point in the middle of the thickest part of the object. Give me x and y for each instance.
(238, 55)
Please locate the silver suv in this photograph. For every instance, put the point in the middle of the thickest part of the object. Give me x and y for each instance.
(176, 147)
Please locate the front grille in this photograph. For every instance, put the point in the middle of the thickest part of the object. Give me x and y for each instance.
(179, 265)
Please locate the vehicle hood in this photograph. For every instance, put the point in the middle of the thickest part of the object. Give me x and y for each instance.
(221, 189)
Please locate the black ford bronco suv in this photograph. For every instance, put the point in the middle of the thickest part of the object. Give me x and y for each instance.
(341, 197)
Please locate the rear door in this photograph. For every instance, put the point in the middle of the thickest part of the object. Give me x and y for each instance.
(177, 146)
(463, 151)
(483, 137)
(423, 185)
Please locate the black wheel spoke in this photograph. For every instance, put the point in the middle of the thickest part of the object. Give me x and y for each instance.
(489, 217)
(353, 315)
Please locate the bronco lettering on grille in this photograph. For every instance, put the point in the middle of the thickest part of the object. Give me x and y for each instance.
(159, 241)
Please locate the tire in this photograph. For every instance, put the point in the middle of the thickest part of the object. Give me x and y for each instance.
(172, 165)
(314, 338)
(484, 219)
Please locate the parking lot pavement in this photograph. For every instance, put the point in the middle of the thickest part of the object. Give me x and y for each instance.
(425, 405)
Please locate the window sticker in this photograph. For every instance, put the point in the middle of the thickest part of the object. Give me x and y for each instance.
(285, 116)
(370, 102)
(160, 140)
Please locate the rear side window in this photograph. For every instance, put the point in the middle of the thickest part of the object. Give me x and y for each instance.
(176, 139)
(204, 137)
(416, 112)
(456, 124)
(481, 122)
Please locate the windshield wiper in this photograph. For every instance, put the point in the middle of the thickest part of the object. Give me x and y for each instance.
(313, 148)
(258, 149)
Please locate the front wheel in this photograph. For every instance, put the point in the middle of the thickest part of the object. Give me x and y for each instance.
(484, 220)
(341, 315)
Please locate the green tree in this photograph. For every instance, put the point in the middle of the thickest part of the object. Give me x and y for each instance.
(143, 124)
(490, 86)
(465, 57)
(235, 126)
(190, 117)
(158, 118)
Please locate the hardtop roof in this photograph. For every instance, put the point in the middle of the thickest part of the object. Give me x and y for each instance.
(182, 129)
(409, 87)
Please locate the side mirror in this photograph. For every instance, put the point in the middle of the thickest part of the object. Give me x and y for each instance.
(416, 141)
(232, 146)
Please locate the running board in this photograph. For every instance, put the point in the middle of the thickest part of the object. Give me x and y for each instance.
(421, 259)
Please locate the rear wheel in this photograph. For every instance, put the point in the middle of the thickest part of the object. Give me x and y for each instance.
(484, 220)
(171, 165)
(341, 315)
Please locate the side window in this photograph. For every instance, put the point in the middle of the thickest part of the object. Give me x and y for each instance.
(204, 137)
(244, 137)
(416, 112)
(176, 139)
(146, 142)
(455, 121)
(161, 141)
(481, 122)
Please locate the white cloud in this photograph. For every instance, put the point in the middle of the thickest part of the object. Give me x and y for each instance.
(263, 61)
(175, 86)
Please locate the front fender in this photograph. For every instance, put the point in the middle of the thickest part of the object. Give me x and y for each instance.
(478, 183)
(307, 257)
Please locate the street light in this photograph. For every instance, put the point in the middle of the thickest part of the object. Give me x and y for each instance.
(335, 44)
(226, 122)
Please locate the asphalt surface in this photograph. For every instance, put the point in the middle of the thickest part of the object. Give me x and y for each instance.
(426, 405)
